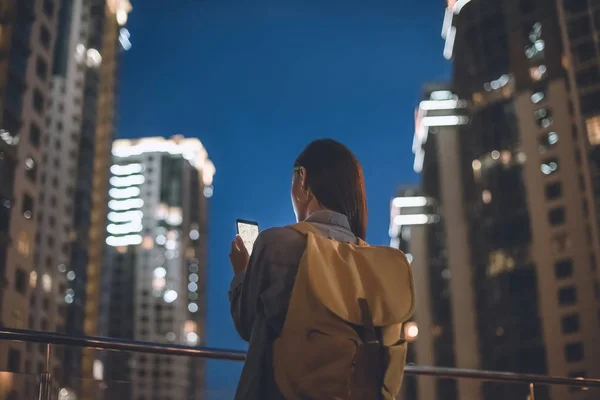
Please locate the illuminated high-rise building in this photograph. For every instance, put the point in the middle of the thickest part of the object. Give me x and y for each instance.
(156, 261)
(27, 38)
(515, 197)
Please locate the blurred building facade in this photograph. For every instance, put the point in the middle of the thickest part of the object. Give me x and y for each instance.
(512, 179)
(155, 272)
(28, 34)
(64, 58)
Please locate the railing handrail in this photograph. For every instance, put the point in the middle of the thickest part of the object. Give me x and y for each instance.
(104, 343)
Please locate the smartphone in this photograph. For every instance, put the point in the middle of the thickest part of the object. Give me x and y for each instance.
(248, 230)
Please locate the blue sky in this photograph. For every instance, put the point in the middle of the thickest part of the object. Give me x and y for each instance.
(256, 82)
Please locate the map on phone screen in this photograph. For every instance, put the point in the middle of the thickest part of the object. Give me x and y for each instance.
(248, 233)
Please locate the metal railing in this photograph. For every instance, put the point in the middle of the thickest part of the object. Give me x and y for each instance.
(103, 343)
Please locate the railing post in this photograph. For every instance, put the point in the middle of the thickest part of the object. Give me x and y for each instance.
(531, 392)
(46, 377)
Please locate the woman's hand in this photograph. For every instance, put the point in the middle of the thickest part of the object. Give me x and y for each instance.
(239, 256)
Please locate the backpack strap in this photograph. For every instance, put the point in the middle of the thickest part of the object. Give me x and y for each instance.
(370, 335)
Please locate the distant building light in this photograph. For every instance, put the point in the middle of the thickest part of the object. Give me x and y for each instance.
(193, 307)
(131, 180)
(208, 191)
(449, 46)
(430, 105)
(192, 338)
(71, 275)
(415, 219)
(439, 95)
(170, 296)
(160, 272)
(447, 120)
(129, 169)
(33, 279)
(193, 287)
(98, 370)
(46, 283)
(194, 234)
(93, 58)
(124, 205)
(129, 240)
(409, 258)
(486, 197)
(170, 337)
(161, 240)
(193, 277)
(418, 201)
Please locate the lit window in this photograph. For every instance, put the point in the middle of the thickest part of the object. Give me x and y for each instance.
(33, 279)
(593, 129)
(550, 166)
(476, 165)
(93, 58)
(499, 262)
(538, 73)
(543, 117)
(170, 296)
(486, 197)
(46, 283)
(537, 97)
(24, 244)
(147, 243)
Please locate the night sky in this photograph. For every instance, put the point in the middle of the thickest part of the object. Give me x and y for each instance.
(256, 81)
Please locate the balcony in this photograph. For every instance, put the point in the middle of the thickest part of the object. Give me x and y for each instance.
(45, 386)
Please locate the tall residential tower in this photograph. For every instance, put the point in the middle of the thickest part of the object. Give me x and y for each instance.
(156, 264)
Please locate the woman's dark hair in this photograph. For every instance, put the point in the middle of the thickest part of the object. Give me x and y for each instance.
(335, 177)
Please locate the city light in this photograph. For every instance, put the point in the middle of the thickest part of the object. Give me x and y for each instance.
(123, 205)
(170, 296)
(418, 201)
(444, 120)
(46, 283)
(449, 46)
(33, 279)
(123, 229)
(8, 138)
(193, 307)
(128, 169)
(127, 216)
(130, 240)
(192, 338)
(94, 59)
(71, 275)
(127, 181)
(160, 272)
(194, 234)
(411, 330)
(415, 219)
(429, 105)
(191, 149)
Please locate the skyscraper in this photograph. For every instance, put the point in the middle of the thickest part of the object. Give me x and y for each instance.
(27, 36)
(514, 194)
(57, 119)
(156, 262)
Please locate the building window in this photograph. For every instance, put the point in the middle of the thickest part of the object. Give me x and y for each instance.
(574, 352)
(550, 166)
(24, 244)
(30, 169)
(593, 130)
(563, 269)
(27, 206)
(570, 323)
(543, 117)
(556, 216)
(547, 140)
(35, 135)
(14, 360)
(38, 101)
(21, 281)
(41, 69)
(567, 296)
(553, 191)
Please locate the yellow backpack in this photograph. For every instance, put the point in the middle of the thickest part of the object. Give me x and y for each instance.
(343, 335)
